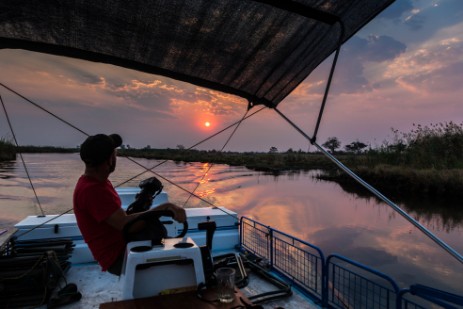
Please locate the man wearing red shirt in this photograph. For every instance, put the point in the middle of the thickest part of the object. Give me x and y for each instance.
(97, 205)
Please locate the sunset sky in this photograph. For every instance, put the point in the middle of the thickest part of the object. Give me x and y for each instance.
(404, 68)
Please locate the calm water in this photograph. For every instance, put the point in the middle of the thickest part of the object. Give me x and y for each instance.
(318, 212)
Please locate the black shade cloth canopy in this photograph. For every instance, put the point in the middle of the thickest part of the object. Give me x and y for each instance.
(259, 50)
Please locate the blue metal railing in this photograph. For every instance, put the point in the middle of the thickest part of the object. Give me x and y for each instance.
(353, 285)
(300, 261)
(335, 282)
(430, 295)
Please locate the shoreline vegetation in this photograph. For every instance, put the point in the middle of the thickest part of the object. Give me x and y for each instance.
(426, 162)
(7, 150)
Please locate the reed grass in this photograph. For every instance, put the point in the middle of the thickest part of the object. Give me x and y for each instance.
(7, 150)
(270, 162)
(427, 161)
(437, 146)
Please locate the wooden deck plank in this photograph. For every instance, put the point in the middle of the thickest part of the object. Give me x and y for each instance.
(185, 300)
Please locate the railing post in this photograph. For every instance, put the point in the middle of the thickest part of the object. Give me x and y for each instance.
(270, 236)
(398, 302)
(241, 231)
(325, 270)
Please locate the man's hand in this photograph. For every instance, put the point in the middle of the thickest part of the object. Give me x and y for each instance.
(179, 212)
(119, 218)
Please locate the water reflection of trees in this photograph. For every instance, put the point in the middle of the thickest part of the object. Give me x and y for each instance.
(7, 169)
(439, 213)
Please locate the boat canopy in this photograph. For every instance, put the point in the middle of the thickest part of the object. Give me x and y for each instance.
(260, 50)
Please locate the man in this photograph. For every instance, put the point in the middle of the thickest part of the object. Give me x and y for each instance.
(97, 205)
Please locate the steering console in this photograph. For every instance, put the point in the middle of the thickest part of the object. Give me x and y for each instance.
(150, 227)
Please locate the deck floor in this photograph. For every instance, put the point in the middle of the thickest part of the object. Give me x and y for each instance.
(100, 287)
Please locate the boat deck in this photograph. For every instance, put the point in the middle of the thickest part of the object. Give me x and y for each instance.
(99, 287)
(333, 280)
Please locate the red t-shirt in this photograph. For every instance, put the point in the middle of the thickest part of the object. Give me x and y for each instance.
(94, 202)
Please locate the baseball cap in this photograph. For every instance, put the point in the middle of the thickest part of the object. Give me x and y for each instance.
(98, 148)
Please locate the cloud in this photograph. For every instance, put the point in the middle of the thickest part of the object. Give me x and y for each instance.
(397, 9)
(388, 75)
(404, 12)
(415, 21)
(435, 66)
(355, 56)
(220, 104)
(380, 48)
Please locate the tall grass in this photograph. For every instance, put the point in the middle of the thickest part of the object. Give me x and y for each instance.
(270, 162)
(7, 150)
(437, 146)
(427, 161)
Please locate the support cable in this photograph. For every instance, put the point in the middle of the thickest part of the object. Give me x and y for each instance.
(127, 157)
(221, 150)
(42, 213)
(189, 148)
(378, 194)
(43, 109)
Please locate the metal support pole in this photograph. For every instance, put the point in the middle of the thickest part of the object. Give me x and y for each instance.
(428, 233)
(404, 214)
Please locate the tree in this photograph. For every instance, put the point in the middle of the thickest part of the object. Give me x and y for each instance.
(180, 147)
(332, 143)
(273, 149)
(356, 147)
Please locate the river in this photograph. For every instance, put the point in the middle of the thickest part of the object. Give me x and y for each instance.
(315, 211)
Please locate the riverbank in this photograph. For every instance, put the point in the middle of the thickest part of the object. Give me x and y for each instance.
(274, 163)
(400, 182)
(395, 181)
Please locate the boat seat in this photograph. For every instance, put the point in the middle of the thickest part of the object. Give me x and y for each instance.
(175, 266)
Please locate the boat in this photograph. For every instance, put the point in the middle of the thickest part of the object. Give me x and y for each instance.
(259, 50)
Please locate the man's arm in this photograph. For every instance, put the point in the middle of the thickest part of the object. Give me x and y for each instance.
(119, 219)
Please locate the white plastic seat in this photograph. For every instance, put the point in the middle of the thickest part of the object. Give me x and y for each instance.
(149, 271)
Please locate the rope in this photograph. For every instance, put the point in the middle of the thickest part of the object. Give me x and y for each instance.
(236, 124)
(48, 258)
(221, 150)
(43, 109)
(39, 261)
(17, 145)
(189, 148)
(22, 158)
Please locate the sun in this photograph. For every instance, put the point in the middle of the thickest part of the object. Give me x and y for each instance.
(207, 124)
